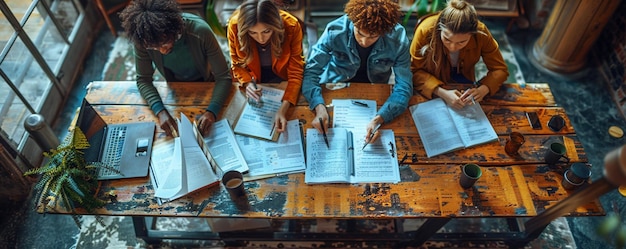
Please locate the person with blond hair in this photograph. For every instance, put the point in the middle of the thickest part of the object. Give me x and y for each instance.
(446, 48)
(266, 47)
(366, 45)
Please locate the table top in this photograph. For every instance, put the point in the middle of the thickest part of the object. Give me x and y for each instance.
(509, 187)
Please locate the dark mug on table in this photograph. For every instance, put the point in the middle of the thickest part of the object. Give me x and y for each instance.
(555, 152)
(576, 175)
(470, 173)
(233, 181)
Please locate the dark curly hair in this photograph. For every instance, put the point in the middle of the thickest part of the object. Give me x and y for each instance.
(152, 23)
(376, 16)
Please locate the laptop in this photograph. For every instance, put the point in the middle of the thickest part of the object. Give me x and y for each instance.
(126, 146)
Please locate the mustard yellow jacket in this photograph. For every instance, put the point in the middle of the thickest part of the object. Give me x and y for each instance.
(290, 64)
(482, 44)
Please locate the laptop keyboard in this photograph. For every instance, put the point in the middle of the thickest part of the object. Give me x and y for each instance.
(113, 151)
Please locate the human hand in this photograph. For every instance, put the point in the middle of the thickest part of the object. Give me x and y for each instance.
(478, 94)
(451, 97)
(280, 119)
(205, 121)
(254, 92)
(168, 123)
(320, 113)
(371, 129)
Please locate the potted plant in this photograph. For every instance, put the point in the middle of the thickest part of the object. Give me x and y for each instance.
(423, 8)
(66, 179)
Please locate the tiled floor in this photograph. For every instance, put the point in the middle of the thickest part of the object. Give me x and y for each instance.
(583, 96)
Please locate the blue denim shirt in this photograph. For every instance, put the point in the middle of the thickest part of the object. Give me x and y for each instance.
(335, 58)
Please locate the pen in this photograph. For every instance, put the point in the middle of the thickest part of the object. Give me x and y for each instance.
(359, 103)
(472, 96)
(476, 85)
(324, 132)
(254, 83)
(255, 102)
(371, 136)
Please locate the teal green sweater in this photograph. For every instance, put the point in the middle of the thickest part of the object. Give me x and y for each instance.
(206, 55)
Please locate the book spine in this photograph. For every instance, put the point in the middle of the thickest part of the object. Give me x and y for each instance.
(350, 153)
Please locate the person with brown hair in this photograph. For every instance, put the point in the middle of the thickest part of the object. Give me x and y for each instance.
(446, 48)
(183, 48)
(266, 46)
(366, 44)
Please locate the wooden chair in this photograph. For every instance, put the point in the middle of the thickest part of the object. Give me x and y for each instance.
(193, 6)
(422, 18)
(109, 7)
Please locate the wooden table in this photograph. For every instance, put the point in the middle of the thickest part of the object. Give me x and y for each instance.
(510, 188)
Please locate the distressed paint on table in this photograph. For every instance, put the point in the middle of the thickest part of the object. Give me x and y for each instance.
(408, 142)
(518, 187)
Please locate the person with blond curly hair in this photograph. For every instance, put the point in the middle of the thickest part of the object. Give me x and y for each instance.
(365, 45)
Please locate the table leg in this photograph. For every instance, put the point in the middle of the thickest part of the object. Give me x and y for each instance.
(141, 230)
(427, 230)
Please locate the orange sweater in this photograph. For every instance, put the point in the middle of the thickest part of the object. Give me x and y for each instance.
(290, 65)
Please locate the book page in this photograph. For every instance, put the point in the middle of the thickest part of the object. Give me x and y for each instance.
(435, 127)
(326, 165)
(378, 161)
(179, 166)
(353, 114)
(265, 157)
(473, 125)
(258, 121)
(166, 173)
(222, 146)
(199, 172)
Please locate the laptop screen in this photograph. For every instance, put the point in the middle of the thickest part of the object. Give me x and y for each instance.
(90, 122)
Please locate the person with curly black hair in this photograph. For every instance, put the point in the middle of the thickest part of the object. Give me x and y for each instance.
(183, 48)
(366, 44)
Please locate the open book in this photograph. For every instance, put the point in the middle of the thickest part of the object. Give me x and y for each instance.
(345, 161)
(180, 166)
(443, 129)
(268, 159)
(255, 120)
(222, 145)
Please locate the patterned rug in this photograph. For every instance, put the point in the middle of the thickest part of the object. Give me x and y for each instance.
(118, 232)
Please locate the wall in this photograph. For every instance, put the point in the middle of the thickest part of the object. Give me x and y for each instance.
(610, 53)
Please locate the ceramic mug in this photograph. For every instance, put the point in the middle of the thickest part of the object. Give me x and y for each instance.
(233, 181)
(470, 173)
(568, 183)
(555, 152)
(579, 172)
